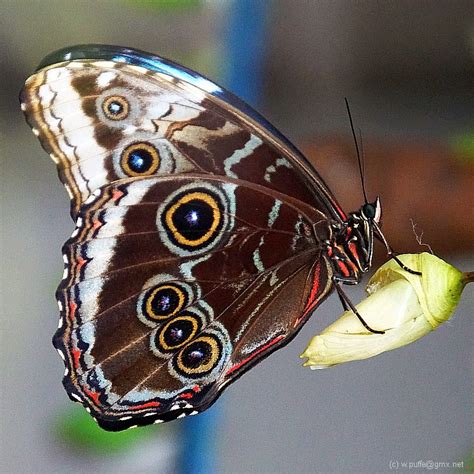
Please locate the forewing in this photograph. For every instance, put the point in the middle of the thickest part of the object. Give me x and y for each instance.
(101, 119)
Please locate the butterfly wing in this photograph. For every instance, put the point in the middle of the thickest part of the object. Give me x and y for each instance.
(194, 254)
(106, 113)
(159, 314)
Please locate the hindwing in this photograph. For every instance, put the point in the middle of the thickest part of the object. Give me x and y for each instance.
(173, 286)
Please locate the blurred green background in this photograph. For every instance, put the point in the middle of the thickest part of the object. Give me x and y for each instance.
(407, 68)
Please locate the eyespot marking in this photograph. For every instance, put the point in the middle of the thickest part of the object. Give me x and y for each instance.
(199, 357)
(193, 219)
(116, 107)
(177, 332)
(163, 302)
(140, 159)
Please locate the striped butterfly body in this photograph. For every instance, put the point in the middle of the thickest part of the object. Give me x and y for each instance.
(203, 238)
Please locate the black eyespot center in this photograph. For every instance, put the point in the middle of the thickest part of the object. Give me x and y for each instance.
(140, 159)
(196, 354)
(177, 332)
(200, 357)
(116, 107)
(163, 302)
(193, 219)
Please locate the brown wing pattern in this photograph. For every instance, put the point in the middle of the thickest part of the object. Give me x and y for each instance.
(136, 304)
(72, 107)
(194, 254)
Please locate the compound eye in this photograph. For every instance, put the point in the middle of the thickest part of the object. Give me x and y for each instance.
(369, 211)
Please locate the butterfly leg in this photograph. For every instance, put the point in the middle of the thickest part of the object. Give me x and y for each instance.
(348, 305)
(390, 252)
(393, 254)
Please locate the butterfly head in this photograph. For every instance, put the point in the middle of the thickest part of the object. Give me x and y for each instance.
(369, 217)
(372, 211)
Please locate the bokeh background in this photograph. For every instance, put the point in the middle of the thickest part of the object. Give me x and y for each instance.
(407, 69)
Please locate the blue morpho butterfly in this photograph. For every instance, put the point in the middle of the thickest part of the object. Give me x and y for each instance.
(203, 241)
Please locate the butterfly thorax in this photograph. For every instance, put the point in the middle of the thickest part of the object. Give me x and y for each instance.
(349, 247)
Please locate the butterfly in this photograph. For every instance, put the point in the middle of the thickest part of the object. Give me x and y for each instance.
(203, 238)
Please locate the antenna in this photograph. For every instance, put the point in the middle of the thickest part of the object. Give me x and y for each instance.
(362, 156)
(359, 156)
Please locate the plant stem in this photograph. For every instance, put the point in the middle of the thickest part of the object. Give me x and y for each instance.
(468, 277)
